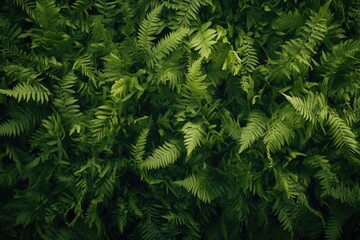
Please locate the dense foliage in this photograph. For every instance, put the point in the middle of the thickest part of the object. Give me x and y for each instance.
(179, 119)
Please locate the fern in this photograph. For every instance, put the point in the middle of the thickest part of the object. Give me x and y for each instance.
(195, 81)
(162, 156)
(65, 102)
(231, 127)
(86, 66)
(149, 27)
(296, 53)
(203, 40)
(24, 91)
(106, 121)
(47, 14)
(169, 43)
(186, 11)
(193, 135)
(255, 129)
(309, 108)
(248, 54)
(138, 149)
(21, 73)
(287, 22)
(28, 6)
(197, 187)
(21, 121)
(327, 178)
(342, 134)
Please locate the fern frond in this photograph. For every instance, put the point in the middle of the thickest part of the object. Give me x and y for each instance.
(203, 40)
(138, 149)
(255, 129)
(87, 68)
(21, 73)
(287, 22)
(186, 11)
(195, 80)
(283, 209)
(232, 62)
(20, 121)
(296, 54)
(125, 88)
(277, 135)
(65, 102)
(197, 187)
(169, 43)
(25, 91)
(339, 58)
(106, 121)
(193, 135)
(161, 157)
(248, 54)
(231, 127)
(342, 134)
(172, 71)
(28, 6)
(333, 227)
(327, 178)
(150, 26)
(47, 14)
(309, 107)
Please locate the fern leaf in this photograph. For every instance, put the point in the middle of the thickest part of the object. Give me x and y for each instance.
(342, 134)
(87, 68)
(193, 134)
(65, 102)
(150, 26)
(342, 56)
(47, 14)
(334, 228)
(106, 121)
(138, 149)
(283, 209)
(254, 130)
(197, 187)
(231, 127)
(169, 43)
(186, 11)
(195, 80)
(277, 135)
(24, 91)
(28, 6)
(203, 40)
(308, 107)
(163, 156)
(248, 54)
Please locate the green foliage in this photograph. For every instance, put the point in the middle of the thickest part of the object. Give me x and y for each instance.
(179, 119)
(163, 156)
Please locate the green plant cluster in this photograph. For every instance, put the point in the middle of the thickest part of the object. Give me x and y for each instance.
(179, 119)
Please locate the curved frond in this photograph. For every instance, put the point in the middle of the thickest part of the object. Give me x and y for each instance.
(169, 43)
(197, 187)
(162, 156)
(193, 135)
(150, 26)
(25, 91)
(203, 40)
(277, 135)
(138, 149)
(342, 134)
(254, 130)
